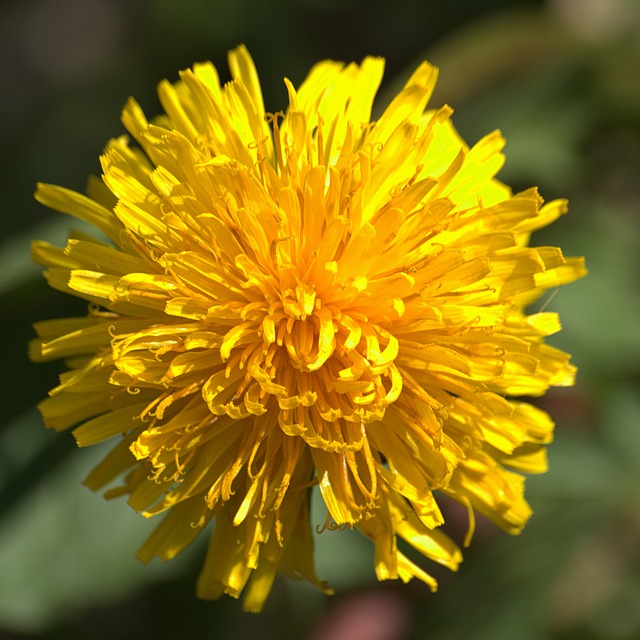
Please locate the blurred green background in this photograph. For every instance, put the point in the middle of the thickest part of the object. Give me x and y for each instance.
(561, 79)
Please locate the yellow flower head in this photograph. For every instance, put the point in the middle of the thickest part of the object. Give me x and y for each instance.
(304, 298)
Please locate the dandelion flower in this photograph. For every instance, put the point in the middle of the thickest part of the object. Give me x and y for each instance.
(284, 300)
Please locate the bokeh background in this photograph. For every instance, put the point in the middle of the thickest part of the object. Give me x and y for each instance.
(561, 79)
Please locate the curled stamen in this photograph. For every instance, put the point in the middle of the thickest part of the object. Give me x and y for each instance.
(330, 525)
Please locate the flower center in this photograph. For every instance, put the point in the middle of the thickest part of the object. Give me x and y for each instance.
(328, 371)
(306, 329)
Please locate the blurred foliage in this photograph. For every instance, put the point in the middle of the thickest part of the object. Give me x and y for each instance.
(560, 78)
